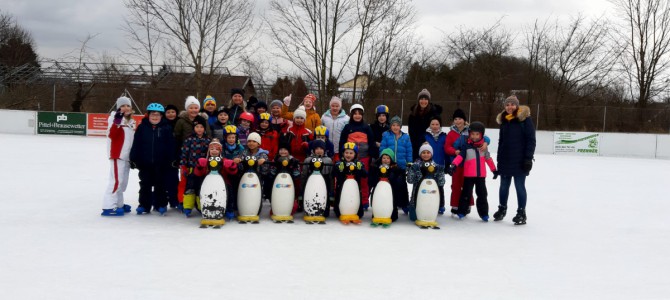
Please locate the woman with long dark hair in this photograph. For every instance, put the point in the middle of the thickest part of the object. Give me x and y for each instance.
(419, 119)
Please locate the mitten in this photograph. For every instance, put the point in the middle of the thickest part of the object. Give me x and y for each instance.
(304, 146)
(287, 100)
(359, 165)
(340, 166)
(451, 170)
(527, 165)
(495, 174)
(118, 116)
(202, 162)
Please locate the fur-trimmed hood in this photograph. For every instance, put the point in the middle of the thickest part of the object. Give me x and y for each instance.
(522, 113)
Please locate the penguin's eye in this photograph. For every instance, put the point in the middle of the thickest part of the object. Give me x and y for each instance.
(313, 160)
(212, 158)
(426, 164)
(320, 160)
(248, 157)
(217, 158)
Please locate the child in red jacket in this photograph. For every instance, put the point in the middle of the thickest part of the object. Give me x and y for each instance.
(120, 133)
(269, 137)
(474, 162)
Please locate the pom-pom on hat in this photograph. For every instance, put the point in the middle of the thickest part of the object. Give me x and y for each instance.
(190, 100)
(425, 147)
(310, 97)
(123, 100)
(209, 99)
(300, 113)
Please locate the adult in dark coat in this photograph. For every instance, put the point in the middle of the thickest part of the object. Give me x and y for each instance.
(419, 120)
(516, 150)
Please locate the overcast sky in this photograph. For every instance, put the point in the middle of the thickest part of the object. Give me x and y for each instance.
(59, 26)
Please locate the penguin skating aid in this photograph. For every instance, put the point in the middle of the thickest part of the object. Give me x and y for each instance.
(350, 197)
(249, 193)
(382, 199)
(315, 197)
(213, 196)
(427, 198)
(283, 193)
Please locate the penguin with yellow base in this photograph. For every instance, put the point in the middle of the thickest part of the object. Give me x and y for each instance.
(348, 173)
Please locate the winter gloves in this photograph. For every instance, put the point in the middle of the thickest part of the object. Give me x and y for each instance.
(495, 174)
(451, 169)
(287, 100)
(527, 165)
(118, 116)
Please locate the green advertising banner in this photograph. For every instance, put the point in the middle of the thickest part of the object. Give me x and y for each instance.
(61, 123)
(586, 143)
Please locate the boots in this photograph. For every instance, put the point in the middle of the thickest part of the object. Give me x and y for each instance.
(520, 218)
(500, 214)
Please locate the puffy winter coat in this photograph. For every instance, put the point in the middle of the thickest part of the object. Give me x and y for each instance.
(120, 137)
(184, 128)
(242, 134)
(312, 121)
(418, 123)
(335, 126)
(297, 136)
(517, 141)
(402, 147)
(218, 130)
(153, 145)
(194, 147)
(378, 130)
(360, 134)
(416, 174)
(474, 160)
(269, 141)
(232, 151)
(454, 140)
(438, 147)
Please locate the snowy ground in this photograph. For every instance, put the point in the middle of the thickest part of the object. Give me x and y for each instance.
(597, 229)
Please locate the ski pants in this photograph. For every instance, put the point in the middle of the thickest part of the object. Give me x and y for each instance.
(519, 184)
(479, 183)
(118, 181)
(457, 186)
(152, 187)
(171, 183)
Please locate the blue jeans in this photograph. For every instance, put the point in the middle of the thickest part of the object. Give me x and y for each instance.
(519, 184)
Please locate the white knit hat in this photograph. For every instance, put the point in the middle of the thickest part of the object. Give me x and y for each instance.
(300, 112)
(425, 147)
(191, 100)
(254, 136)
(123, 100)
(336, 99)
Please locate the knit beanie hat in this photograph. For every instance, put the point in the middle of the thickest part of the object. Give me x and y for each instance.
(251, 103)
(511, 99)
(191, 100)
(311, 97)
(215, 144)
(236, 91)
(123, 100)
(300, 113)
(388, 152)
(396, 120)
(317, 144)
(424, 94)
(254, 136)
(276, 102)
(262, 104)
(436, 118)
(199, 120)
(335, 100)
(209, 99)
(223, 109)
(171, 107)
(477, 127)
(459, 113)
(425, 147)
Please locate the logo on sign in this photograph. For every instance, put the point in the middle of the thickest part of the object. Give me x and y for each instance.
(61, 117)
(279, 185)
(424, 191)
(249, 186)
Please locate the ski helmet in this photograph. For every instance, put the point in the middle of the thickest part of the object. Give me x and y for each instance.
(155, 107)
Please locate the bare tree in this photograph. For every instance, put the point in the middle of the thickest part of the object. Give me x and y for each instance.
(311, 35)
(203, 34)
(646, 30)
(144, 38)
(257, 68)
(82, 74)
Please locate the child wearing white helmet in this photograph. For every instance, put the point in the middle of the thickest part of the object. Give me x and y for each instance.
(360, 133)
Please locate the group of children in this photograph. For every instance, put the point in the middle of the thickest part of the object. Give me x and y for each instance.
(168, 145)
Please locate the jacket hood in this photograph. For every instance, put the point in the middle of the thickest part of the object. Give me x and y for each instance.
(522, 113)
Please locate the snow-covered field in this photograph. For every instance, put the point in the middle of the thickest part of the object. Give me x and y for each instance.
(597, 229)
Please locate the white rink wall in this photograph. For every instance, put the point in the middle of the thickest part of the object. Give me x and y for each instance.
(611, 144)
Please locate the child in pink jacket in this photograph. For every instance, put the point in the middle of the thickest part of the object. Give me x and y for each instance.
(474, 163)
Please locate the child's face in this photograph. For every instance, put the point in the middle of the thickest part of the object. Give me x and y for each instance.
(245, 123)
(253, 145)
(459, 122)
(357, 116)
(475, 136)
(321, 137)
(283, 152)
(155, 117)
(381, 118)
(193, 110)
(264, 124)
(231, 139)
(349, 155)
(199, 129)
(223, 118)
(307, 102)
(435, 126)
(276, 110)
(395, 128)
(319, 151)
(210, 107)
(237, 99)
(126, 109)
(386, 159)
(299, 120)
(214, 152)
(335, 108)
(171, 114)
(426, 155)
(260, 110)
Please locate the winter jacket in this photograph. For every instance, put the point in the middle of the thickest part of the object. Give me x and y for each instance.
(335, 126)
(454, 140)
(516, 142)
(312, 121)
(416, 174)
(326, 170)
(194, 147)
(278, 124)
(269, 141)
(418, 123)
(232, 151)
(153, 145)
(297, 136)
(242, 134)
(402, 147)
(378, 130)
(293, 167)
(184, 128)
(360, 134)
(474, 161)
(218, 131)
(211, 117)
(120, 137)
(234, 113)
(438, 147)
(260, 154)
